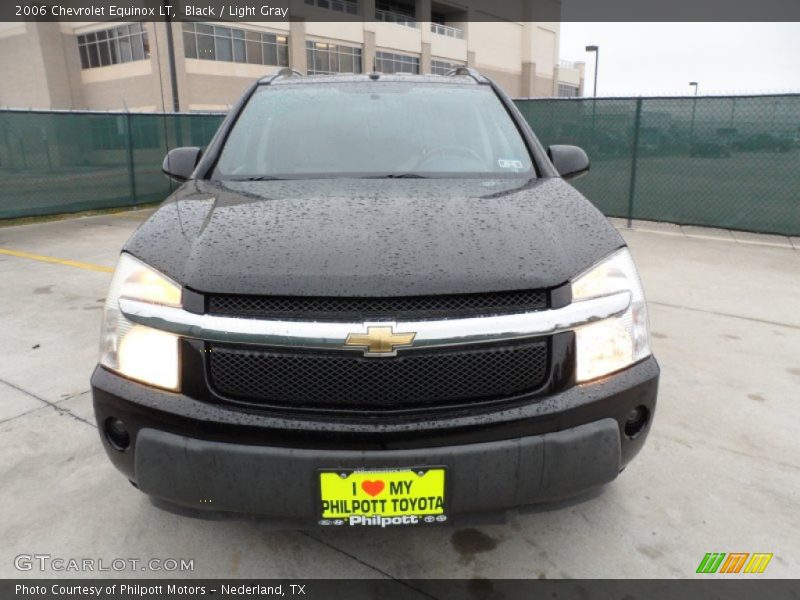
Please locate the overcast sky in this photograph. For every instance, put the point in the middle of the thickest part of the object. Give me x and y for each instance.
(661, 58)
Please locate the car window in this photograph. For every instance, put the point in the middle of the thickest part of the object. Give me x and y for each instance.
(373, 129)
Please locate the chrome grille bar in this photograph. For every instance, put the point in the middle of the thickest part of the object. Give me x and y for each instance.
(324, 335)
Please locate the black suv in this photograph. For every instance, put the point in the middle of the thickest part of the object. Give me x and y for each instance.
(374, 301)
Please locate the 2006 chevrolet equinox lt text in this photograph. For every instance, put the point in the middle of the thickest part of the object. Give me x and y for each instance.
(374, 301)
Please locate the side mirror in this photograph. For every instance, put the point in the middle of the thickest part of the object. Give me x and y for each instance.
(569, 161)
(179, 163)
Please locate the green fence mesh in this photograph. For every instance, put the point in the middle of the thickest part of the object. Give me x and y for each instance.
(55, 162)
(731, 162)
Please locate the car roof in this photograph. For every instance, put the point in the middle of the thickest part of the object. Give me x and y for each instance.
(288, 77)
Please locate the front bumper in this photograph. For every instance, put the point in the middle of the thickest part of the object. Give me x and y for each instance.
(283, 481)
(216, 457)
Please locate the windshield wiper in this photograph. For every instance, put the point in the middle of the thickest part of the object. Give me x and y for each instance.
(257, 178)
(396, 176)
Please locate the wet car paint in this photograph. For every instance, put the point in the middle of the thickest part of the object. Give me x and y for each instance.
(372, 237)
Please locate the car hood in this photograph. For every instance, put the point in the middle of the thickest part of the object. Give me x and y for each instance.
(373, 237)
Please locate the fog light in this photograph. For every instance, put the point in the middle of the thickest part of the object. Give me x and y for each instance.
(117, 434)
(636, 421)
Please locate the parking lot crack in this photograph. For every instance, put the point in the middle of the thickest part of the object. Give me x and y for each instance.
(75, 395)
(53, 405)
(27, 412)
(740, 453)
(722, 314)
(366, 564)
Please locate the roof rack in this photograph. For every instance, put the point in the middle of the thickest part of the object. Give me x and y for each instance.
(469, 72)
(284, 72)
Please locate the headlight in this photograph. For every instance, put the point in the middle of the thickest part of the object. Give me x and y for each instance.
(611, 344)
(142, 353)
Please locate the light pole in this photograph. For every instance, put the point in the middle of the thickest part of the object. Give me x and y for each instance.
(596, 50)
(173, 77)
(694, 107)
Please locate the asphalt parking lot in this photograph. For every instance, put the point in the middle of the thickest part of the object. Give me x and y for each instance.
(720, 472)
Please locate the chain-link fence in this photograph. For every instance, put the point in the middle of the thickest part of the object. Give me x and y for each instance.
(730, 162)
(55, 162)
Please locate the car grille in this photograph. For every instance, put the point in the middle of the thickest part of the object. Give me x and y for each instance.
(421, 307)
(347, 381)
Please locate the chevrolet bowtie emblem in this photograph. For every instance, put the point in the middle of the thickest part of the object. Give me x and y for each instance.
(380, 340)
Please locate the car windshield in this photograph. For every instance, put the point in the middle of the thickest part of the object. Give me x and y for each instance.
(374, 129)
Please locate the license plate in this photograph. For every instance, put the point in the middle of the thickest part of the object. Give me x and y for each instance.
(382, 497)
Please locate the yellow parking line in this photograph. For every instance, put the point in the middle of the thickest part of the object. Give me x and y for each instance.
(57, 261)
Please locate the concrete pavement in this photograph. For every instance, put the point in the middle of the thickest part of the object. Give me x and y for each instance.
(720, 472)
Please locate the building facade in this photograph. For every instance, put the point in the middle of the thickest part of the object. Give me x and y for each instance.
(127, 66)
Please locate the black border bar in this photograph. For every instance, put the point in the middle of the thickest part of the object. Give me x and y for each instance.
(462, 10)
(711, 587)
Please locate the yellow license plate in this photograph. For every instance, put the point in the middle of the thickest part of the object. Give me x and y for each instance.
(383, 497)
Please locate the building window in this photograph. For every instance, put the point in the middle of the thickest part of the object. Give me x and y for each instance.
(212, 42)
(442, 67)
(388, 62)
(326, 59)
(439, 26)
(447, 31)
(568, 91)
(349, 7)
(392, 11)
(122, 44)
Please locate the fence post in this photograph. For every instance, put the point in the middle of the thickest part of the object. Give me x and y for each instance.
(131, 174)
(178, 144)
(634, 160)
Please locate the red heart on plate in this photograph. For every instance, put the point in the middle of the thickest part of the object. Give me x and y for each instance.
(373, 488)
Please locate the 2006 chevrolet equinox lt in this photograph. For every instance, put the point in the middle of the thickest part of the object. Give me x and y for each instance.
(374, 301)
